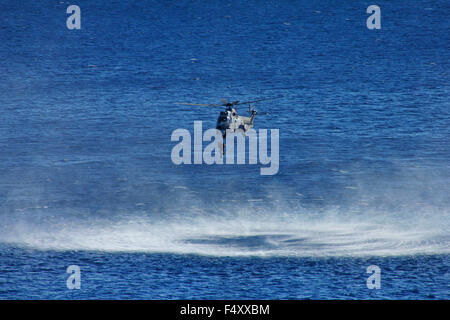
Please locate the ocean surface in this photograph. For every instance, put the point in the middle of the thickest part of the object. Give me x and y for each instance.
(87, 179)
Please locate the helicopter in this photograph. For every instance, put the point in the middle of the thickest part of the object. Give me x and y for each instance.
(229, 120)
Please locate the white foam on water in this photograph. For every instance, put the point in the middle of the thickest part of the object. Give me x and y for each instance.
(240, 233)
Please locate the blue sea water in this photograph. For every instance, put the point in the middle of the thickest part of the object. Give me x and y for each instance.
(86, 176)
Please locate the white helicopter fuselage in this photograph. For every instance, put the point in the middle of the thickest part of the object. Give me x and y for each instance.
(230, 120)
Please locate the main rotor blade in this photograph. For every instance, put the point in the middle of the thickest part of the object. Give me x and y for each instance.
(225, 102)
(271, 98)
(198, 104)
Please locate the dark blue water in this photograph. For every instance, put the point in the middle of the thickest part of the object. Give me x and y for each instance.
(86, 176)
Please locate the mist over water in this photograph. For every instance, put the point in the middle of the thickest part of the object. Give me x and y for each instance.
(379, 219)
